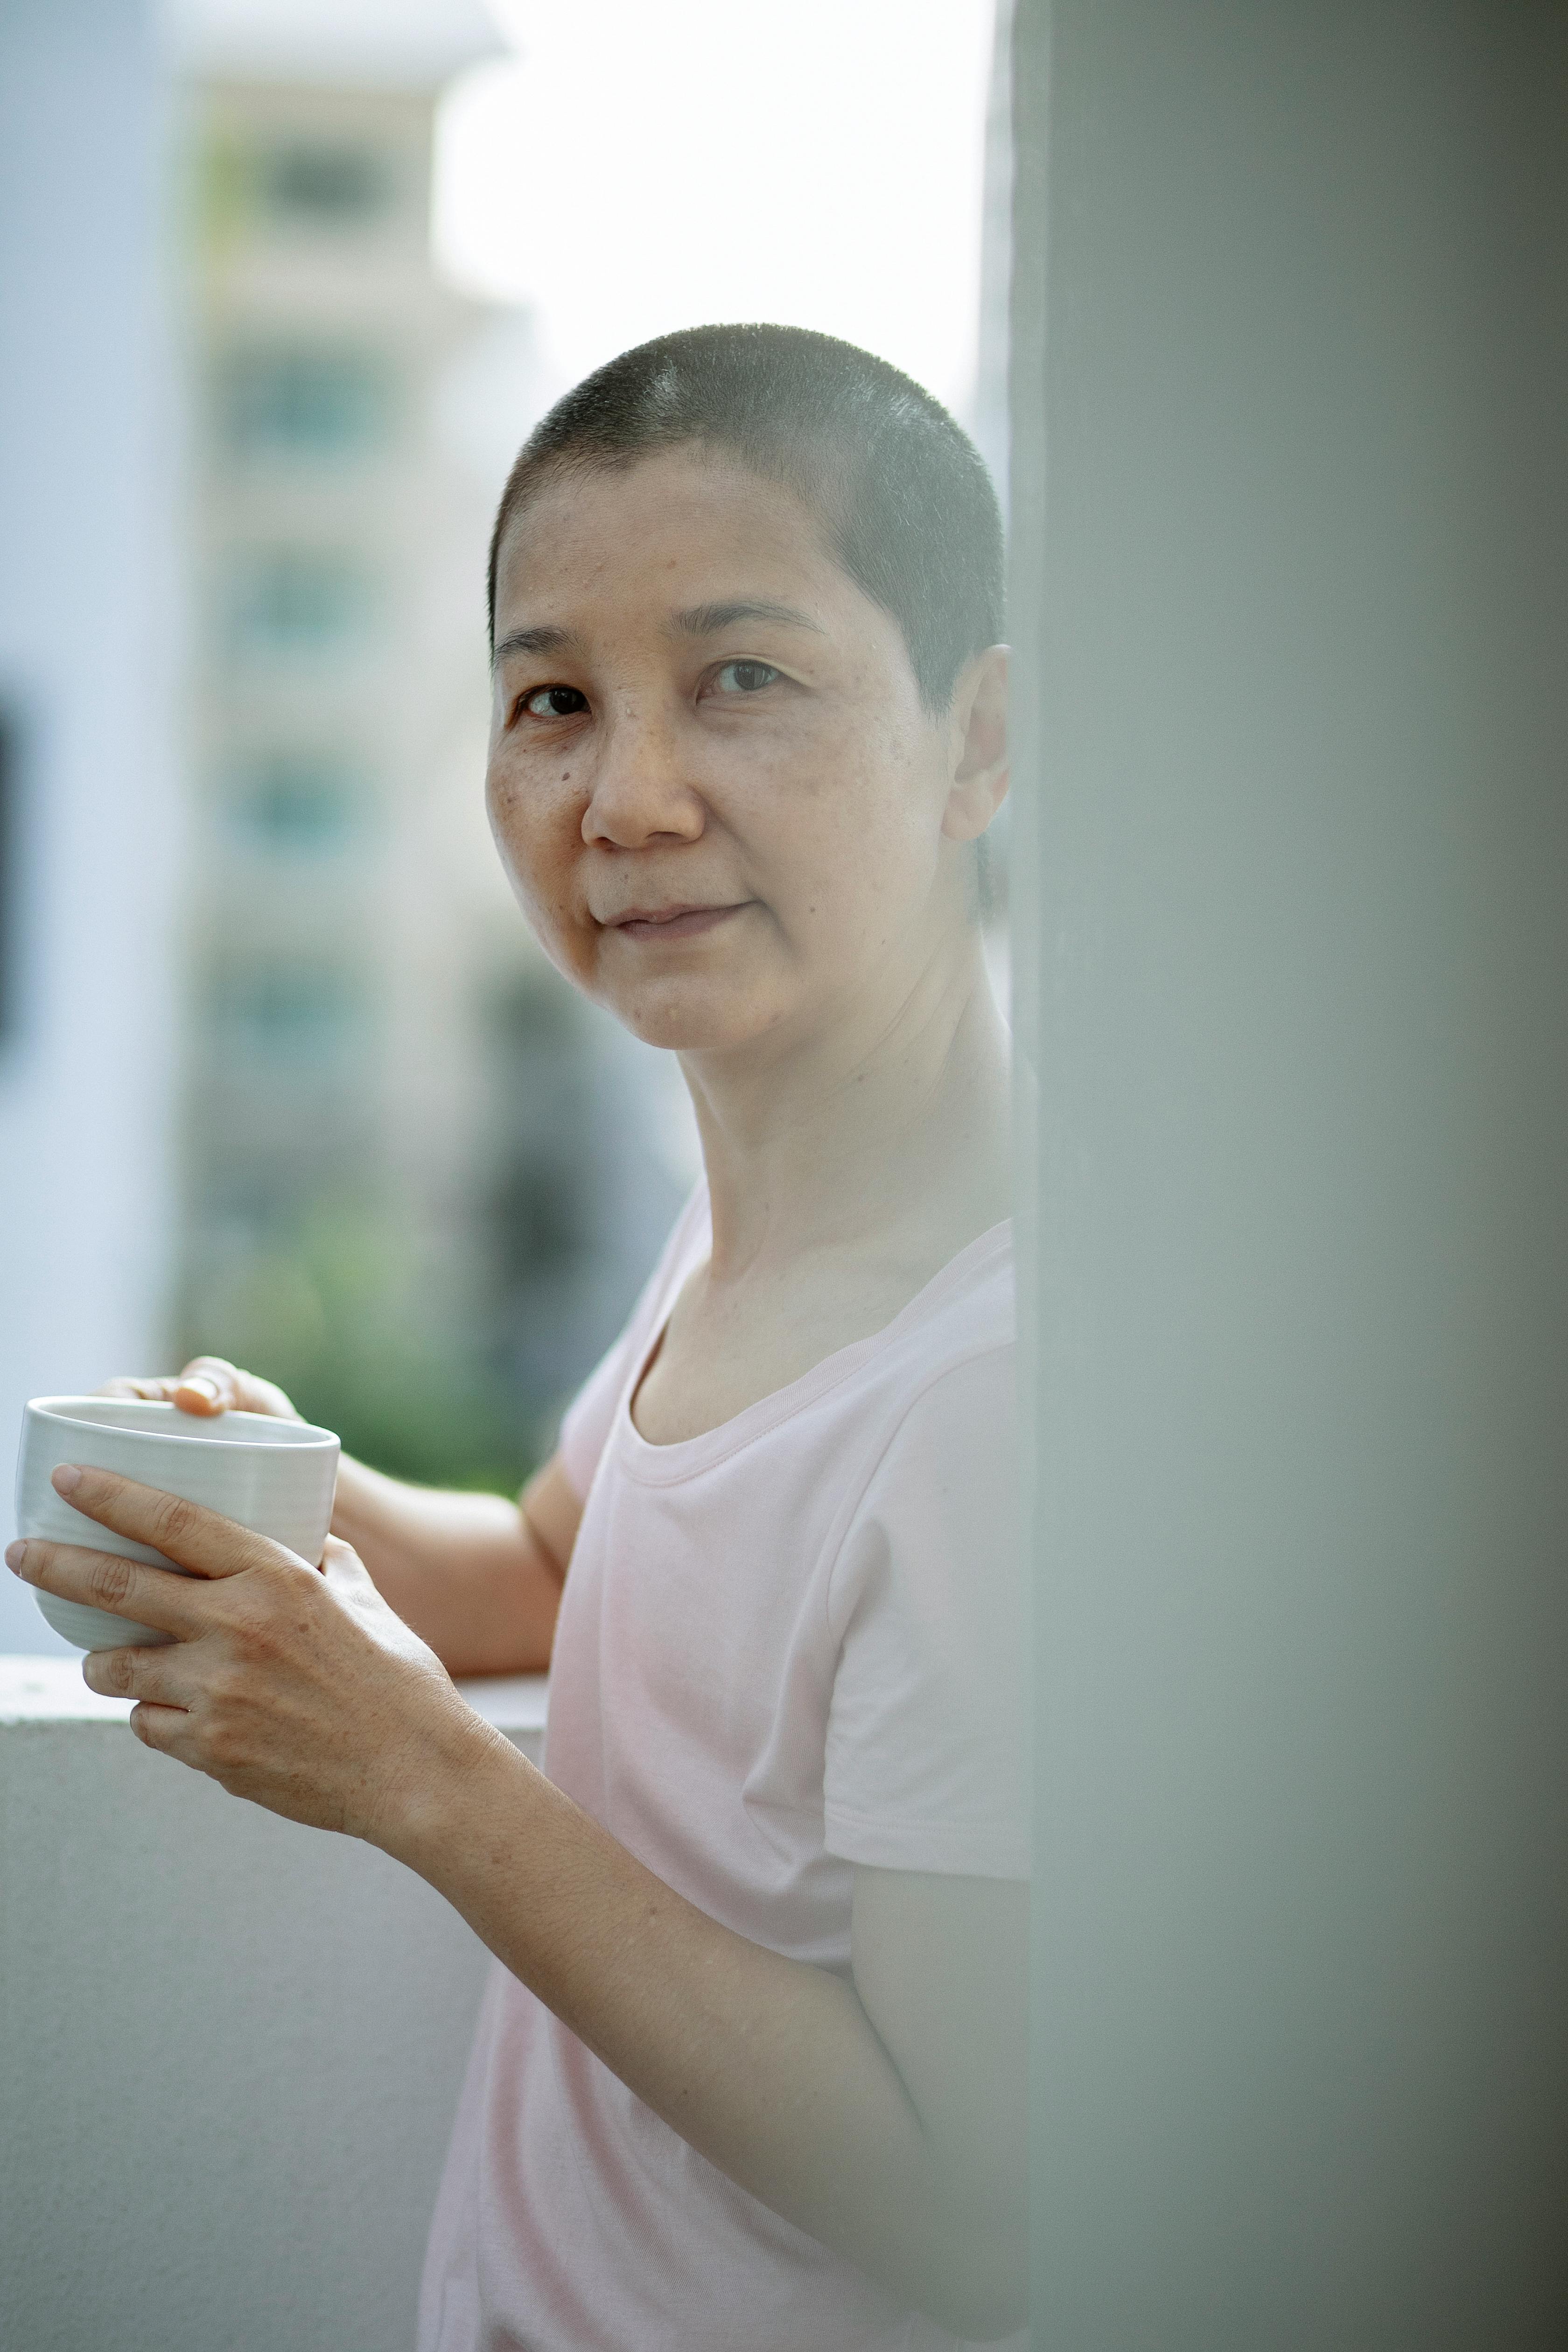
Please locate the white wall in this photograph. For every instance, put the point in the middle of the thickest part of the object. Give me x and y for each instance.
(231, 2049)
(1290, 529)
(85, 605)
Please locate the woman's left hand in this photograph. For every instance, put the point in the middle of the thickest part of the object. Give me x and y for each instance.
(294, 1686)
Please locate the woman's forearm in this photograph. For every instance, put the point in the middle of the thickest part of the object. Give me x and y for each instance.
(306, 1693)
(466, 1571)
(766, 2065)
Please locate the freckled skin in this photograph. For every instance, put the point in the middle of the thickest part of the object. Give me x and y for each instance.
(816, 806)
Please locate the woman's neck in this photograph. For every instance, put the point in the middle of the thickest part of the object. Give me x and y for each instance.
(887, 1133)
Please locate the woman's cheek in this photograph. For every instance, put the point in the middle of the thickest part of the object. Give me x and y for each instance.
(556, 916)
(539, 838)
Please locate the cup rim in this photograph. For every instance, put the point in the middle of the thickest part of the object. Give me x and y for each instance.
(304, 1435)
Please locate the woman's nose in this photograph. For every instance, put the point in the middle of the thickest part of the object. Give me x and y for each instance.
(641, 790)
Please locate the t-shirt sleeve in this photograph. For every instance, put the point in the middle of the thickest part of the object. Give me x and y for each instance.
(926, 1764)
(586, 1423)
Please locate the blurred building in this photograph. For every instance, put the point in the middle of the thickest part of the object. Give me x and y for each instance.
(89, 800)
(420, 1180)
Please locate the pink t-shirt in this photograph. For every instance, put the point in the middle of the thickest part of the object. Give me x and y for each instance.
(787, 1646)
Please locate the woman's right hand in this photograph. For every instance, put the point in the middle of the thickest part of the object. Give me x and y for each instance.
(209, 1384)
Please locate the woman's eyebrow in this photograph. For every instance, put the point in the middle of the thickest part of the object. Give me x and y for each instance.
(533, 641)
(707, 620)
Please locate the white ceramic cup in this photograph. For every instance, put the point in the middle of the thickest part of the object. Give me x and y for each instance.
(276, 1477)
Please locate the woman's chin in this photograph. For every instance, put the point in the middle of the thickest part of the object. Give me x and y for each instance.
(694, 1019)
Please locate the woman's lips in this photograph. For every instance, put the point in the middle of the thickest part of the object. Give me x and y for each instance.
(679, 923)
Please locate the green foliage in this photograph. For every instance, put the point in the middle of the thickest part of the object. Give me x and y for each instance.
(334, 1315)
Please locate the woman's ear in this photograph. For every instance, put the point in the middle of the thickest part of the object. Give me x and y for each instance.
(979, 724)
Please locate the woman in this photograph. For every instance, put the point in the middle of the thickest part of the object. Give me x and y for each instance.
(748, 2073)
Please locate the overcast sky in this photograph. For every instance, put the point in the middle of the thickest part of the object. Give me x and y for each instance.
(630, 167)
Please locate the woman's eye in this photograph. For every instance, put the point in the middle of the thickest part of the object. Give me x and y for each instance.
(745, 677)
(555, 702)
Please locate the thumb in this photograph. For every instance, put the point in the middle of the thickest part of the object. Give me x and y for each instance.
(352, 1585)
(344, 1569)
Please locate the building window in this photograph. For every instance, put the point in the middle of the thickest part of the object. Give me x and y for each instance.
(324, 183)
(304, 402)
(292, 603)
(296, 805)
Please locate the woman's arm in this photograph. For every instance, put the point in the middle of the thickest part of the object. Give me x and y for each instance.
(884, 2116)
(476, 1576)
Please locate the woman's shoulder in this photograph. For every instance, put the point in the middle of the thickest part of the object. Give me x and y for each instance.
(961, 1314)
(967, 1310)
(938, 1385)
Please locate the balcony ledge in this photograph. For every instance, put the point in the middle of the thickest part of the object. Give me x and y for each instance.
(232, 2046)
(51, 1690)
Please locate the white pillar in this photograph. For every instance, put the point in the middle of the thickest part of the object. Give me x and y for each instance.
(1289, 532)
(84, 575)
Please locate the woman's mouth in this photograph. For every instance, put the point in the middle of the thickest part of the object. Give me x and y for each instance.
(655, 923)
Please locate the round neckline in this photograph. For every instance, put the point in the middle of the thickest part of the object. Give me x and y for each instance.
(684, 1456)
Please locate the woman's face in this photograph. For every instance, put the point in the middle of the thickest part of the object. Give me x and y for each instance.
(720, 802)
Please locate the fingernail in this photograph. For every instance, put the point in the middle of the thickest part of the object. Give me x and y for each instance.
(66, 1479)
(15, 1553)
(203, 1387)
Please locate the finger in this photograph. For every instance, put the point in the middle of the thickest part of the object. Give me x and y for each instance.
(159, 1726)
(104, 1580)
(187, 1533)
(215, 1385)
(147, 1674)
(207, 1384)
(196, 1390)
